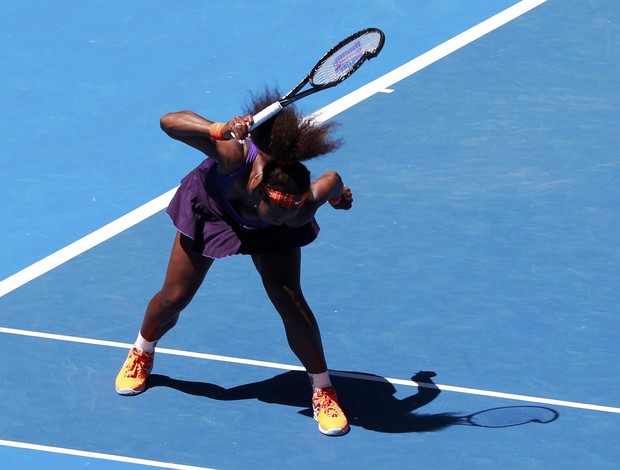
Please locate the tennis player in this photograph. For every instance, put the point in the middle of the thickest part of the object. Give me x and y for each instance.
(251, 196)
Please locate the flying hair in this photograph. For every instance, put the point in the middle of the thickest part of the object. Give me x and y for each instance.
(288, 137)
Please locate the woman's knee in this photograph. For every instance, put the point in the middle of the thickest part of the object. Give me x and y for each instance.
(285, 297)
(278, 290)
(174, 299)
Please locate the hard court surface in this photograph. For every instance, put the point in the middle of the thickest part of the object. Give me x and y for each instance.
(481, 257)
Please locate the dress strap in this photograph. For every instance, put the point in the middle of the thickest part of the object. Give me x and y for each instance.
(252, 152)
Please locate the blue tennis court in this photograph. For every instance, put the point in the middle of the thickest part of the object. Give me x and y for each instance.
(468, 302)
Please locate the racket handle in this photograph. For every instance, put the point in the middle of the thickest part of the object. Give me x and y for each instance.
(266, 113)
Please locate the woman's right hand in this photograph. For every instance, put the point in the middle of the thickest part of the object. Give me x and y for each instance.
(238, 128)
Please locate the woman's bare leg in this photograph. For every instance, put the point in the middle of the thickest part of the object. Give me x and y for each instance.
(186, 271)
(280, 273)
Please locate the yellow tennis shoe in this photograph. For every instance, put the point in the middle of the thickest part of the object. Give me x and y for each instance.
(131, 379)
(327, 412)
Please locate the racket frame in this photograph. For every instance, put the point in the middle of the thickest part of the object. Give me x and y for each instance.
(296, 93)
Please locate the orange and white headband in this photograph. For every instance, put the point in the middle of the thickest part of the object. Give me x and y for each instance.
(286, 200)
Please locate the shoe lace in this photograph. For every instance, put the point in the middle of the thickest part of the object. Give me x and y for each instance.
(138, 365)
(325, 399)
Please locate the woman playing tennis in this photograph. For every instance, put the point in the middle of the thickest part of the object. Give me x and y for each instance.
(252, 196)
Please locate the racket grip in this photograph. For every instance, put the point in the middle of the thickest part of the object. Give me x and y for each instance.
(266, 113)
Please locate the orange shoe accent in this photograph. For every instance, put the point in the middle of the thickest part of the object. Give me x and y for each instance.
(327, 412)
(131, 379)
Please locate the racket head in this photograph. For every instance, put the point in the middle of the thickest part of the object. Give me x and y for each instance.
(346, 57)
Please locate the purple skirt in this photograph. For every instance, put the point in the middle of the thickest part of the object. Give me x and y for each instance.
(215, 234)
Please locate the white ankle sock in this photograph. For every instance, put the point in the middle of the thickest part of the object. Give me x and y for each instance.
(144, 345)
(320, 380)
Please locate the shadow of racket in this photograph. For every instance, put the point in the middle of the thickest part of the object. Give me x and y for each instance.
(509, 416)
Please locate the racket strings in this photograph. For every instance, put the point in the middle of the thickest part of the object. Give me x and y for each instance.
(344, 60)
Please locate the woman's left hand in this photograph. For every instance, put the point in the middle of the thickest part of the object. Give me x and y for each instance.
(346, 200)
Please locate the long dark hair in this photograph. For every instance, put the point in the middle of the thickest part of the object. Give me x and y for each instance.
(287, 137)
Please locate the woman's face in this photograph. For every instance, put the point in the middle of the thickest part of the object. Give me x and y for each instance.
(274, 214)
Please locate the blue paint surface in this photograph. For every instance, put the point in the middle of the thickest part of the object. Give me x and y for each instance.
(482, 245)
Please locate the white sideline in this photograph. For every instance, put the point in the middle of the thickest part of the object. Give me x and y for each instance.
(84, 244)
(380, 85)
(383, 84)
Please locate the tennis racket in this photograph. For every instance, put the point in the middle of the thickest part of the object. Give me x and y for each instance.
(335, 66)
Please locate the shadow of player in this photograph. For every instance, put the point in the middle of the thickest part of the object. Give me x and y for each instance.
(368, 400)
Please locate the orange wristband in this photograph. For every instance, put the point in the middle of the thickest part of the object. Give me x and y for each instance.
(216, 131)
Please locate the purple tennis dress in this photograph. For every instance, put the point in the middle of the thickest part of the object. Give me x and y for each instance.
(201, 210)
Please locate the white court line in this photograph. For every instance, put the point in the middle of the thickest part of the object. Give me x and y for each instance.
(276, 365)
(97, 455)
(383, 84)
(380, 85)
(86, 243)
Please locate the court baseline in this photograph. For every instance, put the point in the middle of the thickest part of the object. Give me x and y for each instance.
(275, 365)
